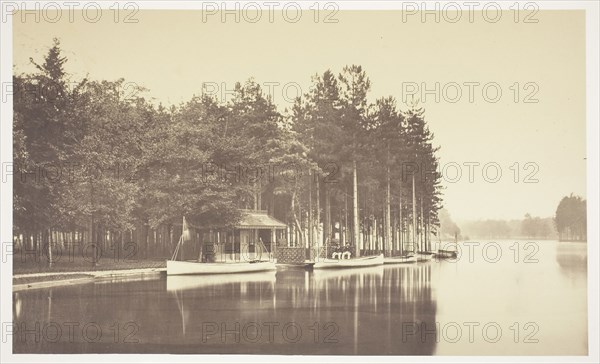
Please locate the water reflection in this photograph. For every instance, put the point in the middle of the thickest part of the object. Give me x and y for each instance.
(572, 258)
(397, 310)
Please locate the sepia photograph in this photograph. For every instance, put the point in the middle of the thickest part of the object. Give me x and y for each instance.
(299, 181)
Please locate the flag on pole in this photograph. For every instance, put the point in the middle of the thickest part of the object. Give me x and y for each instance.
(185, 234)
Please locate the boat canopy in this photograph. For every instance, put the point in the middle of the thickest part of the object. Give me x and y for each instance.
(259, 219)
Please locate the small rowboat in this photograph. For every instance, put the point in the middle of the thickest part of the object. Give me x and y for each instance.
(400, 259)
(175, 267)
(424, 256)
(447, 253)
(349, 263)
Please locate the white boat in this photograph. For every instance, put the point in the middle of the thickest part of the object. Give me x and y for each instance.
(400, 259)
(424, 256)
(176, 267)
(349, 263)
(323, 275)
(187, 267)
(189, 282)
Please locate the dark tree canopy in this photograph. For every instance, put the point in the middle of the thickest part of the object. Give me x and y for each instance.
(333, 165)
(571, 218)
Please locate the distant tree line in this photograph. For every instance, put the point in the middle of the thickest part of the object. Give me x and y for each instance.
(529, 227)
(571, 219)
(448, 228)
(97, 162)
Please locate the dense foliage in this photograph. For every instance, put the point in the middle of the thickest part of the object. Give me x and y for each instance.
(571, 218)
(95, 161)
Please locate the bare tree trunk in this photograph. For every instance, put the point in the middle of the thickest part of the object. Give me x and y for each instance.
(345, 231)
(400, 221)
(388, 213)
(327, 225)
(414, 213)
(310, 214)
(318, 210)
(355, 209)
(422, 230)
(297, 224)
(259, 194)
(49, 239)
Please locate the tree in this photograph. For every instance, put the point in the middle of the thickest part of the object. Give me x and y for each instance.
(131, 169)
(571, 219)
(448, 228)
(355, 87)
(39, 124)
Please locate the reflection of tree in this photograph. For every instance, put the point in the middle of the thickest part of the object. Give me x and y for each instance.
(366, 310)
(371, 306)
(572, 259)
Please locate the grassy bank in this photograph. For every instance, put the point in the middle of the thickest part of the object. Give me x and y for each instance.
(28, 265)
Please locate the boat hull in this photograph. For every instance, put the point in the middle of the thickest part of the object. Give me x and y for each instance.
(424, 256)
(446, 254)
(403, 259)
(349, 263)
(190, 282)
(184, 268)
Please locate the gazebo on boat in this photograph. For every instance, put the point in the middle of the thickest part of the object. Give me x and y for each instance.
(253, 238)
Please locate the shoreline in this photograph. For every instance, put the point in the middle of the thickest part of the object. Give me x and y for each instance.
(81, 277)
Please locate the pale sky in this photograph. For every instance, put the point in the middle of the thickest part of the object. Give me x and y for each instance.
(172, 53)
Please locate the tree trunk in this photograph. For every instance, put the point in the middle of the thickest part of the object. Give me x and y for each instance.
(49, 232)
(259, 194)
(318, 212)
(414, 214)
(355, 209)
(297, 224)
(388, 213)
(327, 224)
(310, 214)
(345, 231)
(422, 230)
(400, 221)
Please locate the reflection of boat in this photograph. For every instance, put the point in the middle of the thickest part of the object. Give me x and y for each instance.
(185, 282)
(400, 259)
(349, 263)
(328, 274)
(175, 267)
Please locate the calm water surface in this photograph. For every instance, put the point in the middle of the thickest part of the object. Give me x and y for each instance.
(495, 299)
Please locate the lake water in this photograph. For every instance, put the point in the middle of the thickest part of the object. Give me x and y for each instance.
(504, 298)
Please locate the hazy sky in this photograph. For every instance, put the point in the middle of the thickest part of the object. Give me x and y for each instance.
(173, 53)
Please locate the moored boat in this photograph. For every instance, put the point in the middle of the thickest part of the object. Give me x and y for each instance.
(190, 282)
(175, 267)
(188, 267)
(400, 259)
(349, 263)
(424, 256)
(328, 275)
(446, 253)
